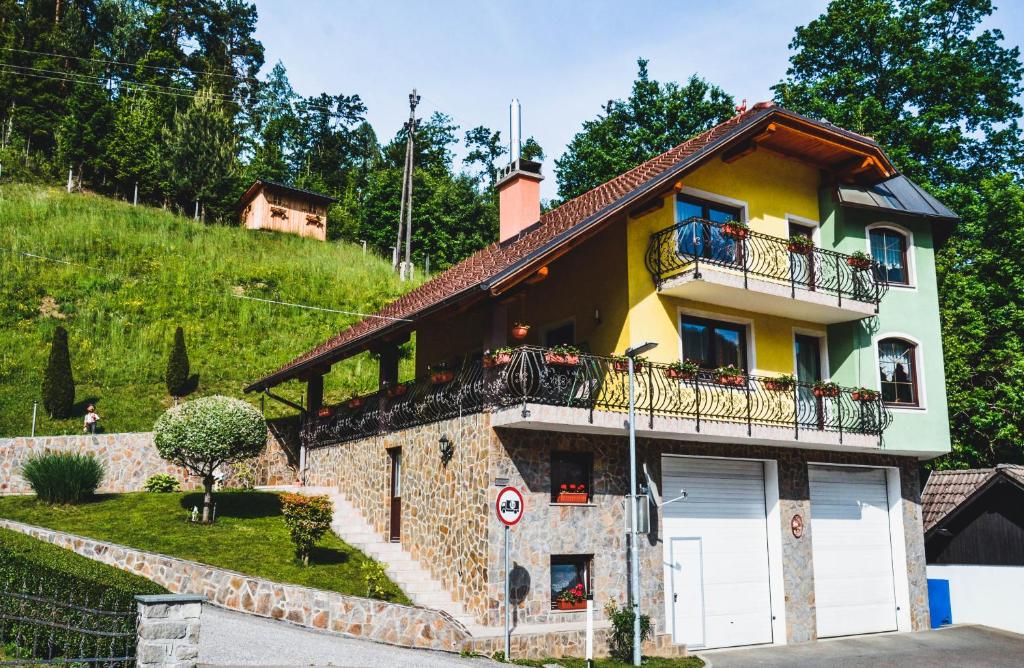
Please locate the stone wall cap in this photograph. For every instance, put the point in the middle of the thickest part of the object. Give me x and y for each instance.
(154, 599)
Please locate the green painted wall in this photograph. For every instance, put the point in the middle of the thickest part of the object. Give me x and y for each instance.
(911, 312)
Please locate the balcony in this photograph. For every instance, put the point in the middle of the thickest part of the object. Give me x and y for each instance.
(532, 388)
(722, 264)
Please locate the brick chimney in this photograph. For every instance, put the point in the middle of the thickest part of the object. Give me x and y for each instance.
(518, 183)
(518, 197)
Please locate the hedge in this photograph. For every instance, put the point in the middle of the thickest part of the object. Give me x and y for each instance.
(40, 582)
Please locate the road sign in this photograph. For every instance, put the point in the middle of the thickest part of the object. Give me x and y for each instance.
(509, 506)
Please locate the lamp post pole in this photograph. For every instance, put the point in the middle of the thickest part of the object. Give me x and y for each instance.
(633, 505)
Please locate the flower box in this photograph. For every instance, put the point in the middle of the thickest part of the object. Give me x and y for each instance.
(501, 359)
(859, 263)
(733, 231)
(622, 366)
(826, 391)
(442, 377)
(571, 605)
(864, 396)
(356, 402)
(572, 497)
(397, 391)
(561, 359)
(325, 412)
(731, 381)
(778, 386)
(680, 374)
(801, 247)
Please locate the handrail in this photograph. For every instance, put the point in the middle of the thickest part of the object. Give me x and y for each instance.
(684, 247)
(532, 375)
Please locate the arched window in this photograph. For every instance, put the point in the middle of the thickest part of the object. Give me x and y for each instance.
(889, 249)
(897, 368)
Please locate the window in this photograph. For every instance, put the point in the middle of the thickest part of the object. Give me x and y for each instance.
(714, 344)
(700, 238)
(571, 477)
(889, 249)
(560, 335)
(897, 368)
(569, 574)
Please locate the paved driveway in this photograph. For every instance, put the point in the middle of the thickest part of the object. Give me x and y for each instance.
(952, 647)
(234, 639)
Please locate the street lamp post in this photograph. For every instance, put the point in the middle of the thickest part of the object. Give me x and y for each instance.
(634, 552)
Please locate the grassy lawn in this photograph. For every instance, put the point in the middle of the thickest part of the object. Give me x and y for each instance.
(121, 278)
(648, 662)
(249, 535)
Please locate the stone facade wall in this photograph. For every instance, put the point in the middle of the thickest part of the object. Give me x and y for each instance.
(446, 508)
(408, 626)
(598, 528)
(169, 627)
(130, 458)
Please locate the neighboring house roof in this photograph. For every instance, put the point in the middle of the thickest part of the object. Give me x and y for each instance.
(948, 491)
(897, 195)
(301, 192)
(498, 266)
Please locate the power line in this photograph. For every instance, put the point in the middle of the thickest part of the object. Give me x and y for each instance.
(79, 77)
(319, 308)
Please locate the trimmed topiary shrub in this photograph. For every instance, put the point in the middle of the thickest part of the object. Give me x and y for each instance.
(162, 482)
(308, 518)
(63, 477)
(177, 366)
(65, 587)
(202, 434)
(58, 383)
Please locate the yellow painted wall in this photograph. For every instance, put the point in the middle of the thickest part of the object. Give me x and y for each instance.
(771, 187)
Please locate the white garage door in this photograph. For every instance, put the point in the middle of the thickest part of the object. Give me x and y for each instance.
(853, 575)
(716, 545)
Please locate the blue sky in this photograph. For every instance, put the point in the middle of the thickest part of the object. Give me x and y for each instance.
(561, 59)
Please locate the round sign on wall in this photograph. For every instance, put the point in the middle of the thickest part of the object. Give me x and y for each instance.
(509, 506)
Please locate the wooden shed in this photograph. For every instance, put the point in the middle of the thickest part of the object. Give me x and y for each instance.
(269, 205)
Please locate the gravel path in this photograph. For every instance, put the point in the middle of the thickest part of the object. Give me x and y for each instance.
(234, 639)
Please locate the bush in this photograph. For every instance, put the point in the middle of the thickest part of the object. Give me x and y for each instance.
(58, 382)
(46, 572)
(308, 518)
(376, 579)
(620, 640)
(202, 434)
(177, 366)
(62, 477)
(162, 482)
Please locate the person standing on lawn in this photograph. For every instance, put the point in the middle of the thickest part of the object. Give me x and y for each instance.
(91, 418)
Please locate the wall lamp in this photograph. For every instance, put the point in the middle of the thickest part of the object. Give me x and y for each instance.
(447, 448)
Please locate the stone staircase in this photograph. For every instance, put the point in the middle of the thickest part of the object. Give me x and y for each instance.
(416, 581)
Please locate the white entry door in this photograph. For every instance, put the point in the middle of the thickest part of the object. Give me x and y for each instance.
(716, 547)
(853, 570)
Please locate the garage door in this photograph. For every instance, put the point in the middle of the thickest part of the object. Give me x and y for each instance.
(853, 574)
(716, 540)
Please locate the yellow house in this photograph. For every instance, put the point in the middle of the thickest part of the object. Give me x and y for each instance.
(780, 508)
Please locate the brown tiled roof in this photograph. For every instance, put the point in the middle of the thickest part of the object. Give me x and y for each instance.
(555, 227)
(946, 490)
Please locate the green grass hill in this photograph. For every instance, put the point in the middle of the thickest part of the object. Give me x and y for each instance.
(120, 279)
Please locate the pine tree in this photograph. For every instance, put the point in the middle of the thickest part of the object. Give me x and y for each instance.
(177, 366)
(58, 383)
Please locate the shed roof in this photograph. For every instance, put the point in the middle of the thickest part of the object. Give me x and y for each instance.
(946, 491)
(499, 266)
(897, 195)
(251, 191)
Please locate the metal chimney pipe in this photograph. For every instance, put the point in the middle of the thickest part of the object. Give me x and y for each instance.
(515, 120)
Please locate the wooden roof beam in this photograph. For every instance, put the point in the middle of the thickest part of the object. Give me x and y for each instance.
(749, 146)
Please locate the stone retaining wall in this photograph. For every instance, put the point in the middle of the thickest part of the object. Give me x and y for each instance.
(407, 626)
(130, 458)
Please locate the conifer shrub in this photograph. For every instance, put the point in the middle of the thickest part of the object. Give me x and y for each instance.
(177, 366)
(58, 383)
(63, 477)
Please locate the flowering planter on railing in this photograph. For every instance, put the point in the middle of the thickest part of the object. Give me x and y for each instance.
(442, 377)
(622, 366)
(730, 380)
(828, 391)
(778, 386)
(325, 412)
(501, 359)
(357, 402)
(737, 232)
(397, 391)
(561, 359)
(859, 263)
(679, 374)
(863, 396)
(800, 248)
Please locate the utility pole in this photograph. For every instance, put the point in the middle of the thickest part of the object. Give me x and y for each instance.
(405, 209)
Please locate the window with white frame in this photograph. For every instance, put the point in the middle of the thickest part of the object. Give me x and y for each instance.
(890, 248)
(898, 372)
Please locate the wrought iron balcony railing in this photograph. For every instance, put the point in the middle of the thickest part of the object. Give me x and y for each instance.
(532, 375)
(685, 247)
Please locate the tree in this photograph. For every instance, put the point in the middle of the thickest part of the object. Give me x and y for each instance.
(940, 94)
(58, 382)
(177, 366)
(655, 118)
(206, 433)
(920, 76)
